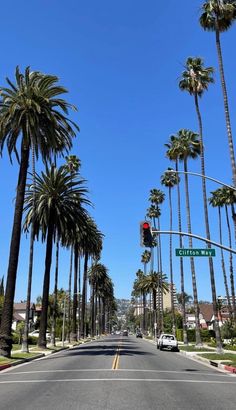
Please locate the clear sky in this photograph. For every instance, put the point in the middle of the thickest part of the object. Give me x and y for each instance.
(121, 62)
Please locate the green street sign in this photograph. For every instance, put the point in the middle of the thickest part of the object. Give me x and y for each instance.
(195, 252)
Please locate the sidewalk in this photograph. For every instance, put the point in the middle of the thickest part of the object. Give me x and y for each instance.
(39, 353)
(215, 363)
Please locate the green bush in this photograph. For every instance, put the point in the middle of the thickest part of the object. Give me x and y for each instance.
(206, 335)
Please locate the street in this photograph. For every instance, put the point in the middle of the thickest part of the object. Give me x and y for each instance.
(116, 372)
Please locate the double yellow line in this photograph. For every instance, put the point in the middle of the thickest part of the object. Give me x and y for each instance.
(115, 364)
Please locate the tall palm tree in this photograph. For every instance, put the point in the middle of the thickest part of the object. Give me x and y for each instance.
(90, 243)
(72, 166)
(195, 80)
(172, 154)
(97, 275)
(218, 16)
(227, 197)
(170, 179)
(216, 201)
(145, 258)
(156, 198)
(59, 201)
(31, 114)
(185, 144)
(150, 283)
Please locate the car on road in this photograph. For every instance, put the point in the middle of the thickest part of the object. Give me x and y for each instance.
(167, 341)
(139, 333)
(35, 333)
(125, 332)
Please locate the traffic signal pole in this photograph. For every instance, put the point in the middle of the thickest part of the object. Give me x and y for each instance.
(226, 248)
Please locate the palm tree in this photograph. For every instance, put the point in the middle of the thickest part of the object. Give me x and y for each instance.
(216, 201)
(72, 166)
(97, 275)
(90, 243)
(195, 79)
(170, 179)
(186, 145)
(218, 16)
(32, 113)
(145, 258)
(227, 197)
(150, 283)
(156, 198)
(58, 199)
(172, 154)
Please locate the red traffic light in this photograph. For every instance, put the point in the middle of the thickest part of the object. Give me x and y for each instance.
(146, 225)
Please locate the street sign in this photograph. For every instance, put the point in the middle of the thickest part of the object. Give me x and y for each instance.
(195, 252)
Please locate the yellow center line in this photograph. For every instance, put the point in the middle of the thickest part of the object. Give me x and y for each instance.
(115, 364)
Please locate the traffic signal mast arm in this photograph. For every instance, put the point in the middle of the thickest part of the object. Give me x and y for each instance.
(226, 248)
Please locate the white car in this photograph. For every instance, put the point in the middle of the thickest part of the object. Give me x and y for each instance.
(35, 333)
(167, 341)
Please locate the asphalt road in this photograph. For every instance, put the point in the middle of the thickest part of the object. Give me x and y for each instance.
(117, 373)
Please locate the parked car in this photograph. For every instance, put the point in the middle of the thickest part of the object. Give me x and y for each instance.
(125, 332)
(167, 341)
(35, 333)
(139, 333)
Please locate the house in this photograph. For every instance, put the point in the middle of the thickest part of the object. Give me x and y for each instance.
(19, 313)
(206, 316)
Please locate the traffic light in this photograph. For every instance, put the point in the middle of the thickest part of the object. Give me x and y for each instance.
(146, 234)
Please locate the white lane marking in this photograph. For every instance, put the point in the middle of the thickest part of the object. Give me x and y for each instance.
(116, 380)
(119, 370)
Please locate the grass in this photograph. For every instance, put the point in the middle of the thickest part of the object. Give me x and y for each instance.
(192, 348)
(16, 356)
(226, 356)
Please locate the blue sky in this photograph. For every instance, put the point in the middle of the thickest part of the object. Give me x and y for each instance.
(121, 62)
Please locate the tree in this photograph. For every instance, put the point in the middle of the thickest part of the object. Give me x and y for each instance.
(186, 145)
(90, 243)
(97, 275)
(72, 166)
(170, 179)
(156, 198)
(31, 114)
(218, 16)
(173, 153)
(216, 201)
(195, 79)
(59, 201)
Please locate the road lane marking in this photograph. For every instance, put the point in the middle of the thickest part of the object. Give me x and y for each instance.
(115, 364)
(118, 380)
(197, 373)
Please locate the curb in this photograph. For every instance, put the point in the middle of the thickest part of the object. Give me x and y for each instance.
(221, 366)
(40, 355)
(29, 359)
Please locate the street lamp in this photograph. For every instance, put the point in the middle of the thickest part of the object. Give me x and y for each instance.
(200, 175)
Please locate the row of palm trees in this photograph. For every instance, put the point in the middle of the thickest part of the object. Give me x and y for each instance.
(217, 16)
(34, 117)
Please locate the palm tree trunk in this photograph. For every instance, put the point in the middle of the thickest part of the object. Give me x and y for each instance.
(223, 266)
(84, 297)
(226, 105)
(25, 347)
(185, 336)
(195, 296)
(171, 269)
(160, 281)
(42, 343)
(207, 226)
(231, 267)
(69, 294)
(7, 312)
(75, 296)
(54, 314)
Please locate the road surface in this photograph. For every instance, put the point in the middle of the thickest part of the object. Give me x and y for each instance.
(116, 372)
